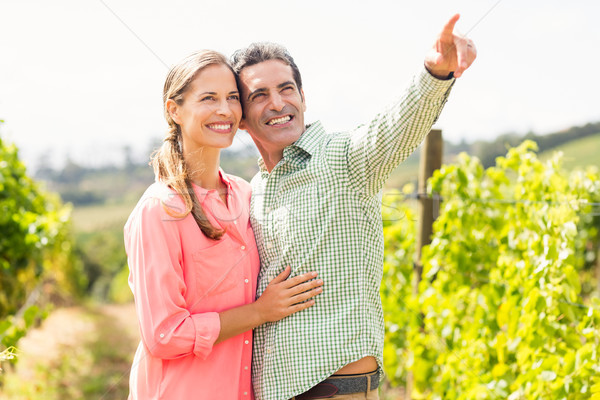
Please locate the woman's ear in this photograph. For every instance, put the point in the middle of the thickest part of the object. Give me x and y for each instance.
(173, 110)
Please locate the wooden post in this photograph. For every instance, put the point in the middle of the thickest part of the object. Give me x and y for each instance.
(428, 210)
(431, 160)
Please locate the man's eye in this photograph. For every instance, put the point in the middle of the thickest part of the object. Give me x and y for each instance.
(258, 96)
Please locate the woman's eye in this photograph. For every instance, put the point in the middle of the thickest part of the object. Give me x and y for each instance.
(207, 98)
(234, 97)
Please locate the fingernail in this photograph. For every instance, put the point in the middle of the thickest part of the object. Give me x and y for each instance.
(314, 274)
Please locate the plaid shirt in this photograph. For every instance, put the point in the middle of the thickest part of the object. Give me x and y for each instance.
(320, 209)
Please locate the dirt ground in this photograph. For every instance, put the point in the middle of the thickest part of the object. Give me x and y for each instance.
(83, 352)
(77, 352)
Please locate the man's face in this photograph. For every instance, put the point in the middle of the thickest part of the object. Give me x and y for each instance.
(273, 105)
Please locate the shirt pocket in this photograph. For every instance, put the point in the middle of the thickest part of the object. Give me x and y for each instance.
(218, 270)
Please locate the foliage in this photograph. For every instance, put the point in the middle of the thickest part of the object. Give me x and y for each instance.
(399, 240)
(119, 291)
(499, 312)
(7, 354)
(103, 256)
(35, 247)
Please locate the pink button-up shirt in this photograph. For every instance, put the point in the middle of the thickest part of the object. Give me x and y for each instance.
(181, 280)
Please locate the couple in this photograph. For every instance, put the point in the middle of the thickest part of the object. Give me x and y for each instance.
(199, 284)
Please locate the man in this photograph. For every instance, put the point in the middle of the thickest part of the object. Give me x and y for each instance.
(316, 206)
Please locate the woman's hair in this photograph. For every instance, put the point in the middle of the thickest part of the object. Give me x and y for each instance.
(168, 163)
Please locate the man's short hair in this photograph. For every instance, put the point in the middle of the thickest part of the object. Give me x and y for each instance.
(264, 51)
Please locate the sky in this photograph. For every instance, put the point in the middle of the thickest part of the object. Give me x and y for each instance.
(83, 79)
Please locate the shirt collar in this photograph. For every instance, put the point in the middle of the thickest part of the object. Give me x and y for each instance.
(307, 143)
(309, 140)
(225, 178)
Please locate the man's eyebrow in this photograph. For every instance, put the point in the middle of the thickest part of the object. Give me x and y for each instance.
(284, 84)
(259, 90)
(280, 86)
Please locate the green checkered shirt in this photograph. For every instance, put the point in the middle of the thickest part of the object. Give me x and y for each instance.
(320, 209)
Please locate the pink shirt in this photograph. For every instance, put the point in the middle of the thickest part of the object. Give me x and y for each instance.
(181, 280)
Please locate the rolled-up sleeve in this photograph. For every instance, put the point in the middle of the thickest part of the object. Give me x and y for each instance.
(154, 255)
(376, 148)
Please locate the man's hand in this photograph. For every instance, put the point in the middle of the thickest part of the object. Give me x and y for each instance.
(450, 53)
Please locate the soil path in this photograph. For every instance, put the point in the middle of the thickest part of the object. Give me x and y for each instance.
(77, 352)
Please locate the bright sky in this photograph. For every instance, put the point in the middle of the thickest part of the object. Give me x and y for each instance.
(84, 78)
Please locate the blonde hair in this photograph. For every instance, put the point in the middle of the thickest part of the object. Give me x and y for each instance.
(168, 162)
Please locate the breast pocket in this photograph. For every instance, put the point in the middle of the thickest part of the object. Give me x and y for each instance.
(217, 269)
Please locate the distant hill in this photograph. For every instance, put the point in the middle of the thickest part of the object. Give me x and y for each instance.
(580, 144)
(578, 153)
(84, 186)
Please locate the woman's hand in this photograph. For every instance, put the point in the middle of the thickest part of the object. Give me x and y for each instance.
(281, 298)
(286, 296)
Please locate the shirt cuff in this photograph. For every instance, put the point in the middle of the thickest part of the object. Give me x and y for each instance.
(208, 327)
(430, 86)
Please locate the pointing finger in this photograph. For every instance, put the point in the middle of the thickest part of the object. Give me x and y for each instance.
(449, 27)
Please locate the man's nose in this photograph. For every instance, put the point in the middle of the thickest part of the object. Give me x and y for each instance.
(276, 102)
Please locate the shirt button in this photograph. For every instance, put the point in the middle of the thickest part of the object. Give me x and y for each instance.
(246, 368)
(268, 209)
(246, 280)
(243, 247)
(246, 342)
(235, 222)
(268, 349)
(162, 335)
(269, 245)
(245, 393)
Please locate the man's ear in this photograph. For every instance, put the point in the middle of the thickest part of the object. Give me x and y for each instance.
(173, 110)
(303, 100)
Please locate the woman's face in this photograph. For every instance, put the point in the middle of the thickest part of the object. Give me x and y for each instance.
(211, 111)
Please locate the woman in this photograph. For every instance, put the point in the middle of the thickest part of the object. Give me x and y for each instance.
(191, 251)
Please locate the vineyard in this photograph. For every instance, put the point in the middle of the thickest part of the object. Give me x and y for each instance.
(508, 303)
(37, 261)
(507, 307)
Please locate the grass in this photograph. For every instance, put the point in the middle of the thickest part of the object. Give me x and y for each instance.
(579, 153)
(100, 217)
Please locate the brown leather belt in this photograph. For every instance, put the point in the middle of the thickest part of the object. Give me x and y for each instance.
(342, 384)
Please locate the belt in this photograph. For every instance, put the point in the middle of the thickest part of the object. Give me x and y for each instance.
(342, 384)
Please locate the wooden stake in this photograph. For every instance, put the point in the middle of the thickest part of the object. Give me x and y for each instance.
(428, 210)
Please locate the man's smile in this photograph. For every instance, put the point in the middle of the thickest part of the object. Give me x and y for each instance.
(280, 120)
